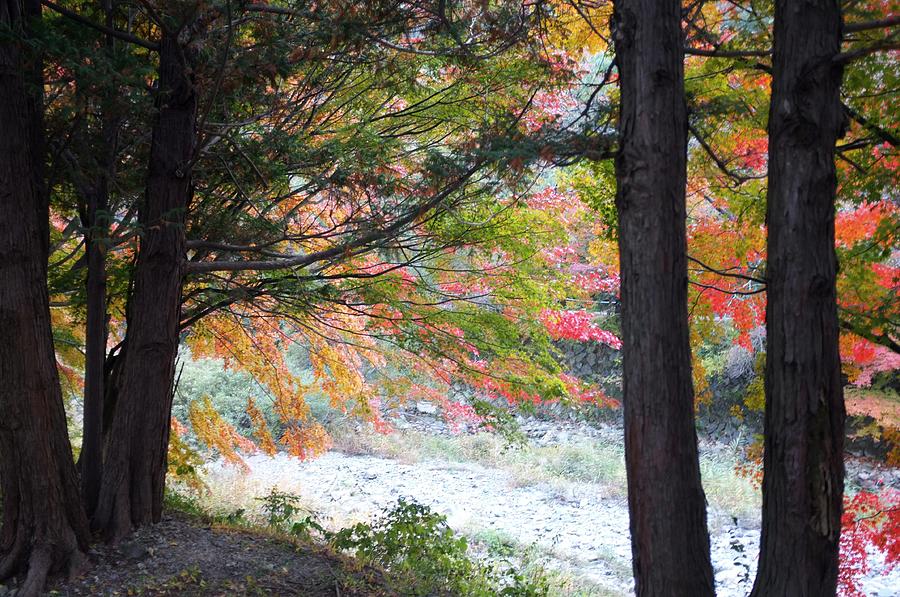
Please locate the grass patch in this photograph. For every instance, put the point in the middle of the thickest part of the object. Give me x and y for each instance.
(500, 546)
(580, 461)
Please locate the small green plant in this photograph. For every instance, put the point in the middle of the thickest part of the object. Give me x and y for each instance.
(181, 502)
(428, 558)
(280, 508)
(308, 528)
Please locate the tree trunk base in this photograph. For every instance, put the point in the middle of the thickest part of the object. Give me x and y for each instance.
(37, 560)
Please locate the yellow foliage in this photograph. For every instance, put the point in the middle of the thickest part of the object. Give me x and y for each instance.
(580, 25)
(306, 442)
(183, 461)
(261, 429)
(216, 432)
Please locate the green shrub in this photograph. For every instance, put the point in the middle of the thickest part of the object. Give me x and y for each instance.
(428, 558)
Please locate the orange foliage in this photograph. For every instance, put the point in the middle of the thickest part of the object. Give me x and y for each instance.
(217, 433)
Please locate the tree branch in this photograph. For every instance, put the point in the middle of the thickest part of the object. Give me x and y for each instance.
(719, 162)
(716, 53)
(868, 25)
(123, 35)
(726, 273)
(845, 57)
(336, 251)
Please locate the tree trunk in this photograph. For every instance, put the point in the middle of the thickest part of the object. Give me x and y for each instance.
(95, 217)
(44, 527)
(666, 503)
(91, 459)
(134, 475)
(804, 421)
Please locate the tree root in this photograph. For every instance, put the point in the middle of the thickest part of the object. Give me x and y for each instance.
(38, 561)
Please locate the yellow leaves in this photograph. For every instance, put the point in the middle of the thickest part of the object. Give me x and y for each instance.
(580, 25)
(260, 428)
(755, 398)
(306, 442)
(604, 251)
(183, 461)
(214, 431)
(702, 391)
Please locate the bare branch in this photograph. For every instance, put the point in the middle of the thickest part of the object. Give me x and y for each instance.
(868, 25)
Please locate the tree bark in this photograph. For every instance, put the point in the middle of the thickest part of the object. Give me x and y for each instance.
(96, 327)
(804, 420)
(91, 458)
(667, 506)
(44, 526)
(134, 476)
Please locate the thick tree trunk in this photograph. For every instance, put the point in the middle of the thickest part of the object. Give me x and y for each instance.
(134, 474)
(44, 527)
(804, 422)
(667, 506)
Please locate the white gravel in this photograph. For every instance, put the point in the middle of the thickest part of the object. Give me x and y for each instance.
(581, 530)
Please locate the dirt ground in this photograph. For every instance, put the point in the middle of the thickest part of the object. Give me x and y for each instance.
(185, 556)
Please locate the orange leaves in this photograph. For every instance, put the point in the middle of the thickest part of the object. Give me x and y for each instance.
(853, 226)
(868, 403)
(216, 432)
(260, 428)
(306, 442)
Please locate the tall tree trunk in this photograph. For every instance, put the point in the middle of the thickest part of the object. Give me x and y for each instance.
(134, 474)
(91, 459)
(44, 526)
(804, 422)
(666, 503)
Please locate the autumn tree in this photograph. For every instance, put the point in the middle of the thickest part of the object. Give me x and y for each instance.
(666, 503)
(323, 174)
(44, 526)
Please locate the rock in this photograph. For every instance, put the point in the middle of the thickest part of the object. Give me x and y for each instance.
(426, 408)
(133, 550)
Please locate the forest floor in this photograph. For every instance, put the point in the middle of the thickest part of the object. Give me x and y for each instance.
(185, 555)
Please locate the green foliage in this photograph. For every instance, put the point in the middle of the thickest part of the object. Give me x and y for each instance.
(595, 183)
(280, 508)
(428, 558)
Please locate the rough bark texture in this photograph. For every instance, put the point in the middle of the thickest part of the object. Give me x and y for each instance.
(667, 506)
(134, 475)
(804, 421)
(44, 527)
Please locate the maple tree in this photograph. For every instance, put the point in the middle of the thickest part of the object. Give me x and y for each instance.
(388, 205)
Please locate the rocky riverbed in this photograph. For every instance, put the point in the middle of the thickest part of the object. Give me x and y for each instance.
(582, 528)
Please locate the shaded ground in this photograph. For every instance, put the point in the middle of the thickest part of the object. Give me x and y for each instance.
(184, 556)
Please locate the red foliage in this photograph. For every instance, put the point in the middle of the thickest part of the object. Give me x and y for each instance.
(853, 226)
(871, 523)
(577, 325)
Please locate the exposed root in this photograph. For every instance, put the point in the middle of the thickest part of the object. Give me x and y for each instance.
(38, 561)
(39, 565)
